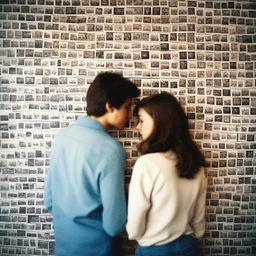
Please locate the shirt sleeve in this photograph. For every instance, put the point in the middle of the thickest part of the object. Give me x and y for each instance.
(113, 192)
(140, 190)
(48, 185)
(48, 194)
(198, 221)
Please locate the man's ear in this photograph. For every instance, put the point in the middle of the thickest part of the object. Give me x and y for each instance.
(108, 107)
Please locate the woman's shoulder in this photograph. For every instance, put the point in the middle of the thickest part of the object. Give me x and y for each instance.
(158, 156)
(157, 159)
(148, 157)
(146, 160)
(148, 165)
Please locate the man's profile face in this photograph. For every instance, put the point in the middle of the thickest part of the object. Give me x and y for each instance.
(122, 114)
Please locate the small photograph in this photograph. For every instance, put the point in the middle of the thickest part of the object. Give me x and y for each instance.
(155, 73)
(237, 101)
(191, 99)
(154, 47)
(147, 11)
(122, 134)
(164, 84)
(135, 136)
(201, 64)
(127, 56)
(141, 37)
(164, 46)
(148, 92)
(173, 37)
(165, 73)
(145, 55)
(183, 65)
(191, 55)
(154, 64)
(119, 55)
(119, 11)
(135, 153)
(235, 110)
(89, 54)
(130, 134)
(166, 56)
(190, 109)
(134, 10)
(155, 84)
(127, 36)
(191, 83)
(109, 36)
(155, 55)
(136, 45)
(127, 143)
(218, 111)
(183, 55)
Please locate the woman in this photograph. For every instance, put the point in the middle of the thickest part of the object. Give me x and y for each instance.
(166, 211)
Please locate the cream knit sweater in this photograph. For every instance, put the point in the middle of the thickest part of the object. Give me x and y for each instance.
(163, 206)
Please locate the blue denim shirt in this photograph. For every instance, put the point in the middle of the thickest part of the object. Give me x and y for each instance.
(84, 189)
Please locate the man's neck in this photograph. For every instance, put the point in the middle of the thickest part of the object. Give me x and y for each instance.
(102, 120)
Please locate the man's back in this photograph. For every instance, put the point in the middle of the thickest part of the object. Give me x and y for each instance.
(85, 189)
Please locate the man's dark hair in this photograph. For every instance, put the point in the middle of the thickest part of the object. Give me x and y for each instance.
(108, 87)
(171, 132)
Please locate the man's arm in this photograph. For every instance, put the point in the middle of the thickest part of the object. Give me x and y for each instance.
(48, 182)
(48, 194)
(112, 192)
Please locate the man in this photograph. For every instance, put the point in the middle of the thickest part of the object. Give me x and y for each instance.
(85, 186)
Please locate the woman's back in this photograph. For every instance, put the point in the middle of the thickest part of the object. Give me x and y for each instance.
(168, 187)
(169, 206)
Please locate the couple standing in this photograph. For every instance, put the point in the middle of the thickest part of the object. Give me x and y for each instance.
(84, 189)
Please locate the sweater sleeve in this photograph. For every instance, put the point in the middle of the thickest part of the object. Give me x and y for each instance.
(198, 221)
(113, 193)
(139, 200)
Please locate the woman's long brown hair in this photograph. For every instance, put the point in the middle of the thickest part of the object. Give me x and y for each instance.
(171, 132)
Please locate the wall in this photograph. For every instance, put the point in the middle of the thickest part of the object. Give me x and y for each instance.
(204, 52)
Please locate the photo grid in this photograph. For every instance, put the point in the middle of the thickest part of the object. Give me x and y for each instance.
(203, 52)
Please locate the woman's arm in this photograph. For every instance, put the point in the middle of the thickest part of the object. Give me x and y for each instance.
(198, 221)
(139, 201)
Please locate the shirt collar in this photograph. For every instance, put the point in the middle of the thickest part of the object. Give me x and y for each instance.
(90, 123)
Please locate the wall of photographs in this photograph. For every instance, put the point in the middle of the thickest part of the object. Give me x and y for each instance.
(204, 52)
